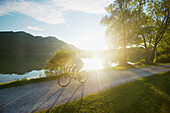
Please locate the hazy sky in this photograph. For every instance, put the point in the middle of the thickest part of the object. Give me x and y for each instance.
(76, 22)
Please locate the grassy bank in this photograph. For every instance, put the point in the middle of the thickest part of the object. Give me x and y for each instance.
(43, 79)
(130, 66)
(146, 95)
(26, 81)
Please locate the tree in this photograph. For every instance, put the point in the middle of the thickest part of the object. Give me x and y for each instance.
(163, 49)
(152, 23)
(144, 27)
(61, 61)
(158, 13)
(120, 25)
(159, 10)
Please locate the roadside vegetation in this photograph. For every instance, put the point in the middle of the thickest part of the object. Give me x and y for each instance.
(136, 65)
(146, 95)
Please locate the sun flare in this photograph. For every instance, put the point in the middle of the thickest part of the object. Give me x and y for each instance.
(93, 63)
(91, 42)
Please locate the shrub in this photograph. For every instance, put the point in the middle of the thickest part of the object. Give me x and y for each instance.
(164, 59)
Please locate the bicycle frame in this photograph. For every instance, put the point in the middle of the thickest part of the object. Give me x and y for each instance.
(72, 75)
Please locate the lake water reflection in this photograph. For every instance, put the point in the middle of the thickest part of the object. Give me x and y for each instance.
(29, 75)
(89, 64)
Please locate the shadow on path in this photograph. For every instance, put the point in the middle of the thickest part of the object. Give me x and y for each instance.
(59, 109)
(165, 66)
(60, 91)
(138, 72)
(81, 85)
(82, 95)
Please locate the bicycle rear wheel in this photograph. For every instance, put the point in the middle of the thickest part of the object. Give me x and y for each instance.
(82, 77)
(64, 79)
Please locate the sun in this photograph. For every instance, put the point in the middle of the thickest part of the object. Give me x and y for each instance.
(92, 63)
(91, 42)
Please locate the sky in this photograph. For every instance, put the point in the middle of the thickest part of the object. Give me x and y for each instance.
(76, 22)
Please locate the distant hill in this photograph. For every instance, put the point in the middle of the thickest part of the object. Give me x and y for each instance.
(21, 52)
(22, 43)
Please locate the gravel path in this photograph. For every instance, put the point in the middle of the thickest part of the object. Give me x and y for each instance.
(38, 96)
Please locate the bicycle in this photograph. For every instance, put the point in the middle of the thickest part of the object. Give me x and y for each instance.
(65, 78)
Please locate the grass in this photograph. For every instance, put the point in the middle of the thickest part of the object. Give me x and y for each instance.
(118, 68)
(43, 79)
(146, 95)
(130, 66)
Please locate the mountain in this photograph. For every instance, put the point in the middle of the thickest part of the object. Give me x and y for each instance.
(22, 43)
(21, 52)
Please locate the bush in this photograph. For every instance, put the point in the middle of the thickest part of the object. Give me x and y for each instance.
(164, 59)
(61, 62)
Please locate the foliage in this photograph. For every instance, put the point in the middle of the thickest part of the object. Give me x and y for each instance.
(145, 95)
(164, 59)
(135, 54)
(120, 24)
(163, 50)
(137, 22)
(152, 27)
(61, 62)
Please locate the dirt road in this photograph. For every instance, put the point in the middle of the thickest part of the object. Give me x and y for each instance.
(34, 97)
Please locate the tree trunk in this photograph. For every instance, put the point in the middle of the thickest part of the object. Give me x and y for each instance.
(123, 60)
(160, 34)
(124, 54)
(124, 47)
(153, 54)
(146, 49)
(156, 55)
(147, 56)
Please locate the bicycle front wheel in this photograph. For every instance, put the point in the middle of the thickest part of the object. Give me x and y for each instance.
(64, 79)
(82, 77)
